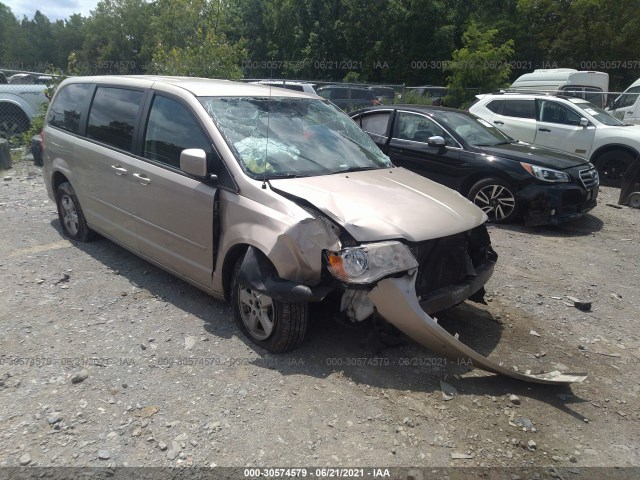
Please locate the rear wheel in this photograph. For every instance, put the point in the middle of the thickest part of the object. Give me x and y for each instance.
(74, 225)
(611, 166)
(496, 198)
(277, 326)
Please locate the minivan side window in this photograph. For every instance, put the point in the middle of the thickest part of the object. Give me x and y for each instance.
(113, 116)
(69, 104)
(172, 128)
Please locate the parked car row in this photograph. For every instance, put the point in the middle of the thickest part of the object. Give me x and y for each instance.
(568, 124)
(503, 177)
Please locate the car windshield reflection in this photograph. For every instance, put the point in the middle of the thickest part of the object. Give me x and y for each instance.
(596, 112)
(474, 131)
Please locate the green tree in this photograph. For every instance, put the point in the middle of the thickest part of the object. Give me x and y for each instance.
(115, 36)
(189, 39)
(479, 66)
(68, 36)
(582, 34)
(8, 31)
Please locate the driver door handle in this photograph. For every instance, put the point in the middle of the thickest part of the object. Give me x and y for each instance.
(544, 129)
(142, 179)
(118, 170)
(498, 122)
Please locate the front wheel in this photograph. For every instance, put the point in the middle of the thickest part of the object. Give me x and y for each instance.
(612, 165)
(277, 326)
(74, 225)
(496, 198)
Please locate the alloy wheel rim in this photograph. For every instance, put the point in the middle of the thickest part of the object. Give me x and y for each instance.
(69, 215)
(496, 201)
(256, 310)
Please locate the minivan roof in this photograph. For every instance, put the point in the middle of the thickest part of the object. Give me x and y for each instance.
(200, 87)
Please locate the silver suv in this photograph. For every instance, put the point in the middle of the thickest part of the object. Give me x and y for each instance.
(568, 124)
(270, 201)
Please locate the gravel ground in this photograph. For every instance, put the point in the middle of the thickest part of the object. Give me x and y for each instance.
(107, 361)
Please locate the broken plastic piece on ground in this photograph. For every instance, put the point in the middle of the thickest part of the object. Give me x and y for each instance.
(396, 301)
(448, 391)
(580, 304)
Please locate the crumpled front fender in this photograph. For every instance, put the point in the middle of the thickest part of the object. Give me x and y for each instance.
(396, 301)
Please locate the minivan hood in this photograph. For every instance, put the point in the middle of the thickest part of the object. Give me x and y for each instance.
(525, 152)
(386, 204)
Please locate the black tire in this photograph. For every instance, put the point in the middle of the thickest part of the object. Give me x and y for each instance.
(36, 150)
(495, 197)
(288, 320)
(611, 166)
(74, 225)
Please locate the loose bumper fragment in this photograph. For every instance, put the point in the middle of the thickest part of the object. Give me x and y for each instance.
(396, 301)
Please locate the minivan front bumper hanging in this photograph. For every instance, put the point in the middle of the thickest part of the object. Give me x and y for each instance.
(396, 301)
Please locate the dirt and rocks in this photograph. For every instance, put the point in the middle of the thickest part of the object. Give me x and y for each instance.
(107, 361)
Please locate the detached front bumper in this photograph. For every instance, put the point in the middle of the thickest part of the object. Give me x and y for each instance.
(396, 301)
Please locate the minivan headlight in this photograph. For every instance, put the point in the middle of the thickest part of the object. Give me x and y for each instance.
(370, 262)
(546, 174)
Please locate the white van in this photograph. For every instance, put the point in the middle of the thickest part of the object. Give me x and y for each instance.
(568, 81)
(626, 107)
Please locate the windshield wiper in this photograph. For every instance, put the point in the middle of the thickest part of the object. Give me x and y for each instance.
(275, 176)
(357, 169)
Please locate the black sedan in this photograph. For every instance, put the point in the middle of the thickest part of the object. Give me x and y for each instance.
(502, 176)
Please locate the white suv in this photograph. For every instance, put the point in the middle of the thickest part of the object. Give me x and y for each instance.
(568, 124)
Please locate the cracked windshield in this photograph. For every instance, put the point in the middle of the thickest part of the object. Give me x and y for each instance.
(292, 137)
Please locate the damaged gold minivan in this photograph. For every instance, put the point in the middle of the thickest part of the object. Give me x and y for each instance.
(270, 198)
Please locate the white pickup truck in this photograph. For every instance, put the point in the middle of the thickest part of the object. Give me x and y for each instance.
(19, 104)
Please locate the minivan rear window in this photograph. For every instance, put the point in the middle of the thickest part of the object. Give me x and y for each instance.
(66, 110)
(113, 115)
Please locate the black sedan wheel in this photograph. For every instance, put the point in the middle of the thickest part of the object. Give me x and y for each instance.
(496, 198)
(611, 167)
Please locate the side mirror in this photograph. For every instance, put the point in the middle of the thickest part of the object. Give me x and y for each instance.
(194, 162)
(584, 122)
(437, 142)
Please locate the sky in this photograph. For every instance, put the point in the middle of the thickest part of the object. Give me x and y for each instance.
(53, 9)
